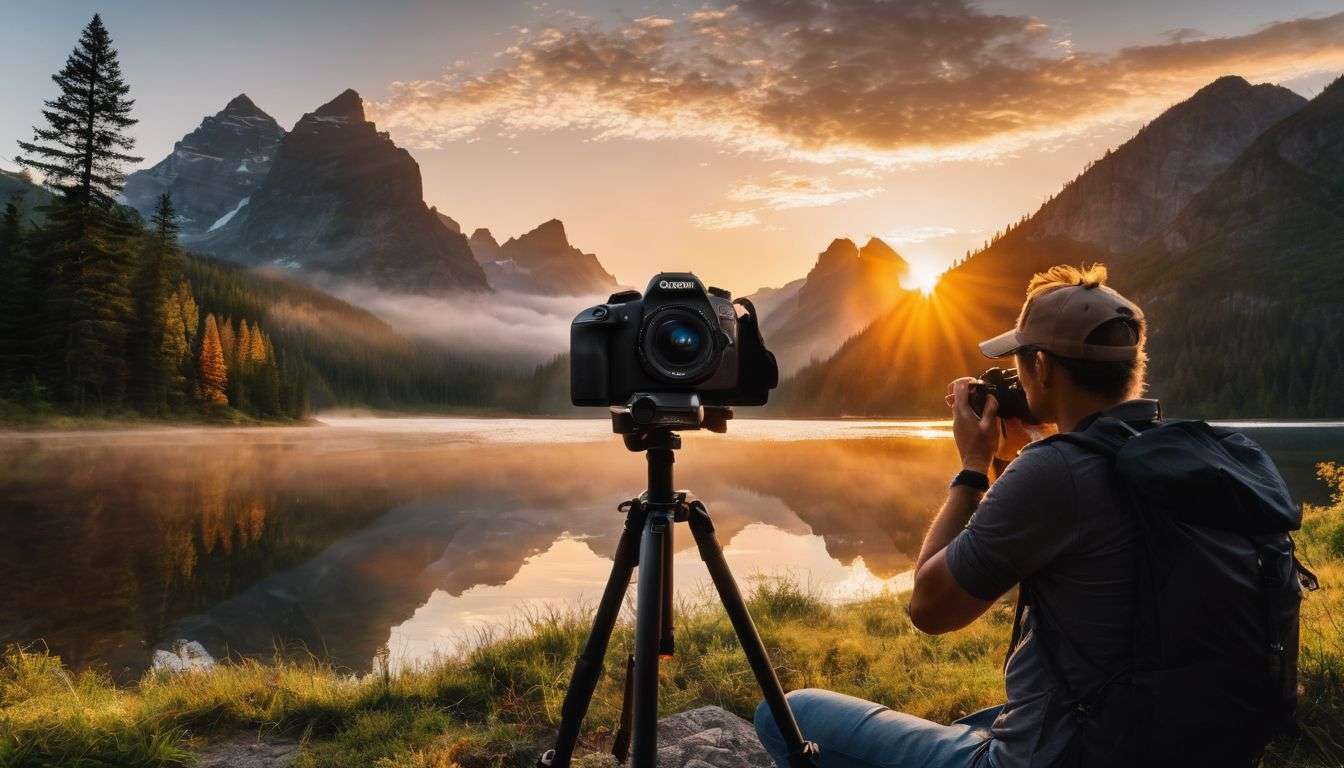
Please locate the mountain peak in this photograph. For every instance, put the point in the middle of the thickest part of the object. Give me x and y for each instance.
(1226, 83)
(876, 248)
(348, 104)
(839, 253)
(241, 104)
(548, 234)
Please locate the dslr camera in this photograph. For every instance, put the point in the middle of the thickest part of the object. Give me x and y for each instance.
(1004, 385)
(678, 338)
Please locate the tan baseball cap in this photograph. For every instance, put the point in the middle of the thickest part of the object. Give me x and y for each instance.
(1059, 320)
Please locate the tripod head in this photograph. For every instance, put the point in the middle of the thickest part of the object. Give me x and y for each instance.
(650, 419)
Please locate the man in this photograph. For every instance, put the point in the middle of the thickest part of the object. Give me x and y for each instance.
(1055, 520)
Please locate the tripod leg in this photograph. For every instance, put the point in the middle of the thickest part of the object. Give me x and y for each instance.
(648, 615)
(588, 667)
(666, 643)
(802, 754)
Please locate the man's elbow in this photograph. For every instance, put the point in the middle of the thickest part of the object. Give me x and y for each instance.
(926, 616)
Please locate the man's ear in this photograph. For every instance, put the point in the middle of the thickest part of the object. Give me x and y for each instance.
(1045, 369)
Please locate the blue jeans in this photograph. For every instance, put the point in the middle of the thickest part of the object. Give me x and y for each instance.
(853, 733)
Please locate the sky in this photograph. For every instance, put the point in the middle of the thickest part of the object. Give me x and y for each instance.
(732, 139)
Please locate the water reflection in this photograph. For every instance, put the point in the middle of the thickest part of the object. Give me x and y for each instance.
(414, 532)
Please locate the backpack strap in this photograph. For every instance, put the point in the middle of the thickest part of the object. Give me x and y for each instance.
(1104, 437)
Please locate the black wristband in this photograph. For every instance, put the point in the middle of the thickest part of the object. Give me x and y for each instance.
(972, 479)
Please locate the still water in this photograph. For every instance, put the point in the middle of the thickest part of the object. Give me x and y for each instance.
(420, 534)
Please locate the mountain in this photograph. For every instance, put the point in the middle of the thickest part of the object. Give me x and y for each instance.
(342, 199)
(213, 169)
(1131, 194)
(18, 186)
(1219, 304)
(484, 246)
(1258, 251)
(844, 291)
(541, 261)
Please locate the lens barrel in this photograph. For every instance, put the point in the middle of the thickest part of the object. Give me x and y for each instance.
(678, 344)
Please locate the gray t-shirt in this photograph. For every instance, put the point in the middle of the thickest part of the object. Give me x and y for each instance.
(1056, 519)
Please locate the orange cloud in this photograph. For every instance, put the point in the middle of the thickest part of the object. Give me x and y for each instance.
(867, 80)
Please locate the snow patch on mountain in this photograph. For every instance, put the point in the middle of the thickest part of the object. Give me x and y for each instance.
(226, 218)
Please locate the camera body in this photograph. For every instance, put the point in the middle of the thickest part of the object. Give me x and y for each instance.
(1004, 385)
(678, 336)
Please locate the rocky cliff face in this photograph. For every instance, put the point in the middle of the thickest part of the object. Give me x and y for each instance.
(541, 261)
(844, 291)
(342, 199)
(213, 169)
(1132, 193)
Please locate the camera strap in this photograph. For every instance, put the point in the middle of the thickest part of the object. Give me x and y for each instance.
(755, 357)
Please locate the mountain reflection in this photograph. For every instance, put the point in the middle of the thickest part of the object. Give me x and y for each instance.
(324, 539)
(337, 541)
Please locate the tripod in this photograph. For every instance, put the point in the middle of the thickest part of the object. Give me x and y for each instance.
(646, 542)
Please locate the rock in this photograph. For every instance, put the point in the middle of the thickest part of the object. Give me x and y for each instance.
(212, 169)
(845, 290)
(342, 199)
(709, 737)
(183, 656)
(246, 751)
(541, 262)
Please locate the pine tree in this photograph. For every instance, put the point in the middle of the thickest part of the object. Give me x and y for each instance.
(80, 150)
(212, 375)
(159, 335)
(15, 298)
(86, 256)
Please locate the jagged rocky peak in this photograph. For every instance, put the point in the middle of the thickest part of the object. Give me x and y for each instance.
(837, 255)
(347, 105)
(343, 199)
(876, 248)
(484, 245)
(212, 170)
(540, 261)
(548, 236)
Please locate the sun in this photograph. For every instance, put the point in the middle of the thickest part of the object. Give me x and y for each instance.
(923, 278)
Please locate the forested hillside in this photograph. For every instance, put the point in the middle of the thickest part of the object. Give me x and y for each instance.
(103, 313)
(1242, 286)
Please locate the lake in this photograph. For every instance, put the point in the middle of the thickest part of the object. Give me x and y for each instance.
(421, 534)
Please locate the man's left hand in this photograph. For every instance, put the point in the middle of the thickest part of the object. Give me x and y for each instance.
(977, 437)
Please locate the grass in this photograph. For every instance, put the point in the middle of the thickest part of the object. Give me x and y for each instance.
(495, 705)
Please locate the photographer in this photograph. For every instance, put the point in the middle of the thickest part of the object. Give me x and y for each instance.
(1059, 522)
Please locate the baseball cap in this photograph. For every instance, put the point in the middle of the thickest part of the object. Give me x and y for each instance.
(1060, 320)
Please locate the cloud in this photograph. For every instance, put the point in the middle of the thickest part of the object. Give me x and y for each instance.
(784, 191)
(869, 80)
(921, 234)
(724, 220)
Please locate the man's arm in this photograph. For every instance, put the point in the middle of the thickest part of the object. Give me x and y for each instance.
(938, 603)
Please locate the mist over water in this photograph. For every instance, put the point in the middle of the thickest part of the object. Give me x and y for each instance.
(519, 327)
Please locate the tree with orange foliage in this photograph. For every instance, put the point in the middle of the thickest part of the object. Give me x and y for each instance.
(212, 373)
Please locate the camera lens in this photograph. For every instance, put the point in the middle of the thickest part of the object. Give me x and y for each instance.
(678, 342)
(677, 345)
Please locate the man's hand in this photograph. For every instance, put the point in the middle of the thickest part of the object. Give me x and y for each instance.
(977, 437)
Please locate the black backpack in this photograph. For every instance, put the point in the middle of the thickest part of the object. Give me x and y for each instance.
(1213, 674)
